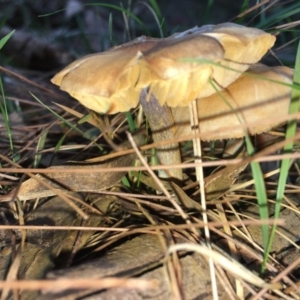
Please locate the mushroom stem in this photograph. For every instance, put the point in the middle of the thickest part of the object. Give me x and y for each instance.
(162, 125)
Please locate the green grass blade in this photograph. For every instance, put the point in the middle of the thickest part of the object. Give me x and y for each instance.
(3, 103)
(110, 29)
(280, 15)
(258, 176)
(121, 9)
(40, 145)
(155, 7)
(208, 10)
(61, 141)
(130, 121)
(65, 121)
(5, 39)
(157, 21)
(160, 17)
(244, 7)
(125, 181)
(4, 111)
(290, 132)
(261, 193)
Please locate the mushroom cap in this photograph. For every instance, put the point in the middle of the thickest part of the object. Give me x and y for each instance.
(226, 51)
(257, 102)
(173, 81)
(105, 82)
(111, 81)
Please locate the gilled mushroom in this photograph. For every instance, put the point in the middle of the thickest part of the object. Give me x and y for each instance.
(225, 51)
(150, 69)
(256, 100)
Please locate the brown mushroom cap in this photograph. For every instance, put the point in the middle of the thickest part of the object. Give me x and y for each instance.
(111, 81)
(177, 83)
(258, 102)
(105, 82)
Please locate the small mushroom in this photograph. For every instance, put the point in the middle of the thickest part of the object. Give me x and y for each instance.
(257, 99)
(153, 71)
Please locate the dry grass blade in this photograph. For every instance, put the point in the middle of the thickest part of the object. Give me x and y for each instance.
(12, 273)
(63, 284)
(195, 127)
(230, 265)
(163, 189)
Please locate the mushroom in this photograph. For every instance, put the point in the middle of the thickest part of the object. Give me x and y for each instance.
(225, 51)
(150, 69)
(257, 99)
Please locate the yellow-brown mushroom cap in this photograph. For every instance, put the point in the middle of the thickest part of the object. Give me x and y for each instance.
(225, 51)
(105, 82)
(257, 104)
(111, 81)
